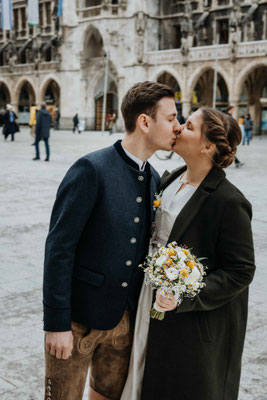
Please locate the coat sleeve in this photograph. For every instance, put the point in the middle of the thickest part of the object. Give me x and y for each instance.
(235, 257)
(38, 123)
(75, 201)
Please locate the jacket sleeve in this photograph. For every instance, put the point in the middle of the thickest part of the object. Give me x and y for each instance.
(235, 257)
(75, 201)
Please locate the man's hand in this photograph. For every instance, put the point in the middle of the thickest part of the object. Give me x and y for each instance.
(59, 344)
(166, 303)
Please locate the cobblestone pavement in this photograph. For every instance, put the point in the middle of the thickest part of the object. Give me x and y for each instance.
(27, 192)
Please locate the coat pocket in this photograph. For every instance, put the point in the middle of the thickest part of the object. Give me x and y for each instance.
(87, 275)
(203, 324)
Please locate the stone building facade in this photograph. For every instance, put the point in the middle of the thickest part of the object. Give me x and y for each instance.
(180, 42)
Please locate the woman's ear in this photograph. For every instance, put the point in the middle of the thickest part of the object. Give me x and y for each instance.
(208, 147)
(142, 122)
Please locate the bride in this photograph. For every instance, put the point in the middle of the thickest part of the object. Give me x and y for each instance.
(195, 352)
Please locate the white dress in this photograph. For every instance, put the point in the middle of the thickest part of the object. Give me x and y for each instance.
(171, 205)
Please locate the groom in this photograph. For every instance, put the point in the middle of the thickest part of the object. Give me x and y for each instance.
(99, 233)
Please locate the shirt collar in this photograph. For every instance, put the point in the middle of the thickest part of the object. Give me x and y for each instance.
(141, 164)
(130, 159)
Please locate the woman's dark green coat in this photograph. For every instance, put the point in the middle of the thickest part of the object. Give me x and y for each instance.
(195, 352)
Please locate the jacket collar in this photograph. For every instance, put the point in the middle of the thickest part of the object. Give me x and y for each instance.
(193, 206)
(127, 159)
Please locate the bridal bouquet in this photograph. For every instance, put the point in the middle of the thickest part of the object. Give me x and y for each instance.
(173, 270)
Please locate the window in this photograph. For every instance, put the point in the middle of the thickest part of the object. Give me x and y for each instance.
(223, 2)
(223, 30)
(177, 36)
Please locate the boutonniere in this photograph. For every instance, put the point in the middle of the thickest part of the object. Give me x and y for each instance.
(157, 200)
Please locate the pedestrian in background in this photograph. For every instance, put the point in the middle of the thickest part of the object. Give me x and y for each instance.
(57, 118)
(248, 126)
(42, 131)
(32, 123)
(230, 111)
(76, 124)
(241, 125)
(112, 120)
(10, 125)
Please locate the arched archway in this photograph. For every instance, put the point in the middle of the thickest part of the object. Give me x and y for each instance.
(253, 97)
(111, 104)
(202, 95)
(4, 100)
(25, 99)
(51, 96)
(93, 43)
(167, 79)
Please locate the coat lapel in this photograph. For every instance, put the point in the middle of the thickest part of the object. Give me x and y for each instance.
(190, 210)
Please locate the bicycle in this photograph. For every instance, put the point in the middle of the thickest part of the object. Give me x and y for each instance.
(164, 155)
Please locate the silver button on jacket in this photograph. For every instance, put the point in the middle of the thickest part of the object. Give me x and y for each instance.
(124, 284)
(128, 263)
(140, 178)
(136, 220)
(139, 199)
(133, 240)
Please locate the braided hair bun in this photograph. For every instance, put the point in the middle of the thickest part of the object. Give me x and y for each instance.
(223, 131)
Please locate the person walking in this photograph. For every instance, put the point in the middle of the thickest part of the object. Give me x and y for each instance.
(230, 111)
(57, 119)
(42, 131)
(75, 124)
(99, 233)
(10, 125)
(248, 126)
(32, 122)
(111, 124)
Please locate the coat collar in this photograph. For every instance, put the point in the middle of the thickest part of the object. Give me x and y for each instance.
(192, 207)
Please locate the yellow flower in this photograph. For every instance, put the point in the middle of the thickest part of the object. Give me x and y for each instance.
(156, 203)
(171, 252)
(169, 262)
(185, 251)
(190, 264)
(184, 272)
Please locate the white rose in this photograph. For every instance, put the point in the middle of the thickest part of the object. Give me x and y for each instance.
(193, 277)
(172, 273)
(181, 255)
(161, 260)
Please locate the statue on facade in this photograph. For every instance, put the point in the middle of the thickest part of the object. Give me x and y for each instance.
(140, 25)
(36, 50)
(12, 51)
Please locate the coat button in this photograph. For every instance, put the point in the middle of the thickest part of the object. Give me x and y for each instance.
(133, 240)
(136, 220)
(49, 381)
(139, 199)
(128, 263)
(124, 284)
(140, 178)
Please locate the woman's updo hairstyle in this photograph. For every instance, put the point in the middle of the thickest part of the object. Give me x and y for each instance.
(223, 131)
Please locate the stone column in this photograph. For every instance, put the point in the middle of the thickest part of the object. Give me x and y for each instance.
(69, 16)
(186, 107)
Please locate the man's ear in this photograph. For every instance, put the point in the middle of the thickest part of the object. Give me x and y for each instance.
(142, 122)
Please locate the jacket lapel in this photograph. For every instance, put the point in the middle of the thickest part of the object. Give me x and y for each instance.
(190, 210)
(168, 177)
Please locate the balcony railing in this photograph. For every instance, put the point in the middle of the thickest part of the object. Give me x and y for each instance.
(206, 53)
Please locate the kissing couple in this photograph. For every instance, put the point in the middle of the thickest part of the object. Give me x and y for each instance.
(100, 231)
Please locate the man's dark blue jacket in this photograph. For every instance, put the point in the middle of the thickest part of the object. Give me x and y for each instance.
(99, 233)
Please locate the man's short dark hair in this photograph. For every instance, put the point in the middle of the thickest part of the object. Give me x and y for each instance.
(43, 106)
(143, 98)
